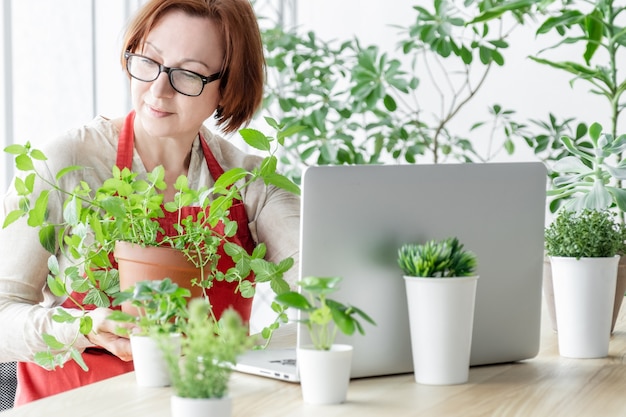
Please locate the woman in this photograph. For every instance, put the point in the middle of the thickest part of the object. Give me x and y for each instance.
(187, 60)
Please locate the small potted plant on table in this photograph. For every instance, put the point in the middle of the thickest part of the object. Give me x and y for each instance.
(441, 286)
(324, 367)
(159, 308)
(201, 371)
(589, 178)
(584, 252)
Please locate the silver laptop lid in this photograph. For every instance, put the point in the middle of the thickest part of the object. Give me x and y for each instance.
(354, 218)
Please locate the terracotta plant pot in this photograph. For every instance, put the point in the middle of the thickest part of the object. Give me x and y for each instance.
(137, 263)
(548, 291)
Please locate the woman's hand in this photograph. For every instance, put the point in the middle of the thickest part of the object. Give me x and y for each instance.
(105, 333)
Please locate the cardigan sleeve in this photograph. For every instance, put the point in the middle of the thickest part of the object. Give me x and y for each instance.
(26, 303)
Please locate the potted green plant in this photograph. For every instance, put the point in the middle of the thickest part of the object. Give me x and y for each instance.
(440, 279)
(201, 371)
(586, 172)
(159, 308)
(126, 208)
(323, 366)
(589, 178)
(584, 250)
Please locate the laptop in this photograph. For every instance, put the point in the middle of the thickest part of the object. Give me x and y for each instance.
(354, 219)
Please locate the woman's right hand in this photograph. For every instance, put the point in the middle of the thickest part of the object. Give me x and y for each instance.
(105, 333)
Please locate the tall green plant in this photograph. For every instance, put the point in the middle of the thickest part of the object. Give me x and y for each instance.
(359, 105)
(595, 29)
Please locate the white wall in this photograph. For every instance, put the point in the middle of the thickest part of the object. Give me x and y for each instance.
(55, 66)
(5, 94)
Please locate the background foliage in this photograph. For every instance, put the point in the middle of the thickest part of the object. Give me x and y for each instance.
(359, 104)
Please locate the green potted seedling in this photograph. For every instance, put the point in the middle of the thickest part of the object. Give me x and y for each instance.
(584, 249)
(440, 279)
(201, 371)
(324, 367)
(158, 309)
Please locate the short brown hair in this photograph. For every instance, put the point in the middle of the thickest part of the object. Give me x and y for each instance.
(243, 72)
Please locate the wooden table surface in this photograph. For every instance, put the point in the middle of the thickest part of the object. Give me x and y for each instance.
(547, 385)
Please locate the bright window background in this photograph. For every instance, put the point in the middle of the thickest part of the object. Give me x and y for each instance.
(60, 65)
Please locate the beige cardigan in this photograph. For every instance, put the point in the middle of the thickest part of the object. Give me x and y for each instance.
(26, 303)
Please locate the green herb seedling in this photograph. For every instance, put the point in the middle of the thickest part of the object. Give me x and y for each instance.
(585, 234)
(324, 315)
(439, 259)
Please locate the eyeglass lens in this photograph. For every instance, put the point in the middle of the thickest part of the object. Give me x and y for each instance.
(183, 81)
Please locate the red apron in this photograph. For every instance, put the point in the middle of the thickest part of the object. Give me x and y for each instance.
(34, 382)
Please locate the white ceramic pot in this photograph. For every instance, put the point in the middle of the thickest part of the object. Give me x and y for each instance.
(324, 374)
(584, 293)
(150, 367)
(200, 407)
(441, 318)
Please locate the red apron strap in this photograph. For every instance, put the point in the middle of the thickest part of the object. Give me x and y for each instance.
(125, 148)
(214, 167)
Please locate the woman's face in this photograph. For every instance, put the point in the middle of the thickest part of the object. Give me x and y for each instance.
(178, 41)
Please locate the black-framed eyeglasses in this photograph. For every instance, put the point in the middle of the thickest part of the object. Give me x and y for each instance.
(185, 82)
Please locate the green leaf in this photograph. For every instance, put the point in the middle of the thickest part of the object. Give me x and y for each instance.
(272, 122)
(294, 300)
(67, 170)
(594, 26)
(62, 316)
(71, 211)
(599, 197)
(268, 166)
(97, 298)
(38, 155)
(571, 164)
(230, 177)
(24, 163)
(53, 265)
(46, 360)
(390, 103)
(291, 130)
(283, 182)
(16, 149)
(343, 321)
(279, 285)
(497, 11)
(255, 138)
(246, 289)
(12, 217)
(37, 215)
(56, 285)
(75, 354)
(52, 342)
(47, 238)
(86, 324)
